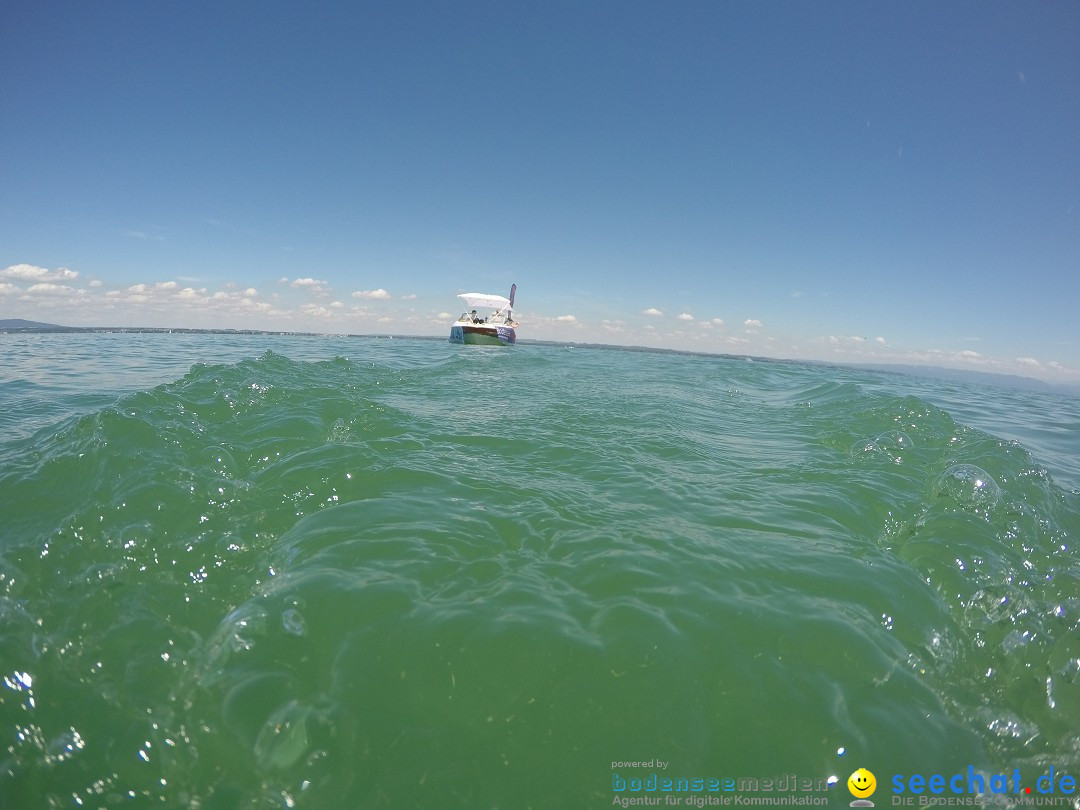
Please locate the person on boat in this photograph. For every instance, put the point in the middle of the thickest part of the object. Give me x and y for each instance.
(475, 319)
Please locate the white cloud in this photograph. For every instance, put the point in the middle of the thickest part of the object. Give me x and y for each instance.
(652, 311)
(30, 272)
(95, 283)
(8, 289)
(685, 316)
(48, 288)
(313, 283)
(1028, 361)
(166, 285)
(752, 325)
(567, 318)
(854, 340)
(376, 295)
(316, 311)
(409, 297)
(880, 341)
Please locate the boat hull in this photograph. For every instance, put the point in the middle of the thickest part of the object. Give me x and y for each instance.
(483, 335)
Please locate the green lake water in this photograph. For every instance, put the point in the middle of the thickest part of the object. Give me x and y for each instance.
(260, 572)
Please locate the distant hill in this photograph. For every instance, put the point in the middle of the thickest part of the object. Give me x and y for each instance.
(19, 323)
(988, 378)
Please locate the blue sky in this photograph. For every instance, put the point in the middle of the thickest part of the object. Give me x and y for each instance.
(849, 181)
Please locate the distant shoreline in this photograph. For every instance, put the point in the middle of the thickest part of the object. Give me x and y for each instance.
(994, 379)
(140, 330)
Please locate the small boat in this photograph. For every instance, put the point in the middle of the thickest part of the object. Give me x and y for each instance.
(490, 329)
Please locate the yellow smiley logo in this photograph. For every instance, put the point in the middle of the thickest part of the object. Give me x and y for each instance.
(862, 784)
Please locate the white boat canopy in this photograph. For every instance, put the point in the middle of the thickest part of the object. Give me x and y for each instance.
(485, 300)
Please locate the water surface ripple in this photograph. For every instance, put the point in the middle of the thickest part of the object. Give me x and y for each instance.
(278, 572)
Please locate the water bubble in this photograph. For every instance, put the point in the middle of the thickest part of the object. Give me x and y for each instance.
(221, 461)
(866, 446)
(968, 485)
(892, 444)
(284, 737)
(293, 622)
(894, 441)
(237, 633)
